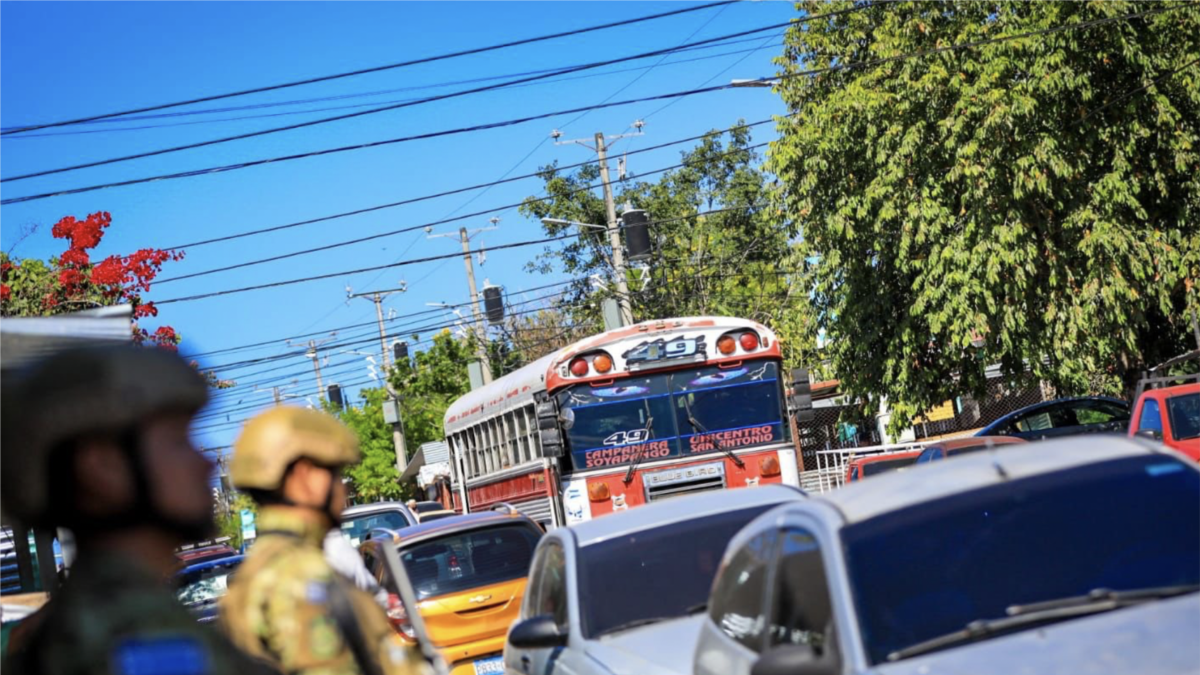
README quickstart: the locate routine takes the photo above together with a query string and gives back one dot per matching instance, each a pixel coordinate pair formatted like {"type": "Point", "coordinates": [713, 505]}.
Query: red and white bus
{"type": "Point", "coordinates": [636, 414]}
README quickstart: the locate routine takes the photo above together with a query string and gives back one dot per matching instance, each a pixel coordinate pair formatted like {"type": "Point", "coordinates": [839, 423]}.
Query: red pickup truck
{"type": "Point", "coordinates": [1170, 414]}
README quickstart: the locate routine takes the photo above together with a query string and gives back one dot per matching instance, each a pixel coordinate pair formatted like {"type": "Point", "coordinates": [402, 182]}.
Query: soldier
{"type": "Point", "coordinates": [96, 440]}
{"type": "Point", "coordinates": [286, 603]}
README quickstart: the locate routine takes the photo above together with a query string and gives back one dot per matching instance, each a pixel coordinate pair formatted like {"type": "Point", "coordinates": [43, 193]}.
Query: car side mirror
{"type": "Point", "coordinates": [794, 660]}
{"type": "Point", "coordinates": [1151, 434]}
{"type": "Point", "coordinates": [536, 633]}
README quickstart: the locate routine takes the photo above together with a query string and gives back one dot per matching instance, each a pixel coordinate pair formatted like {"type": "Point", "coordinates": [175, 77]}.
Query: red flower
{"type": "Point", "coordinates": [5, 292]}
{"type": "Point", "coordinates": [145, 309]}
{"type": "Point", "coordinates": [82, 234]}
{"type": "Point", "coordinates": [75, 257]}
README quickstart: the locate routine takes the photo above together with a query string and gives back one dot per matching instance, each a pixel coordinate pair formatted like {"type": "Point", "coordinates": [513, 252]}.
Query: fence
{"type": "Point", "coordinates": [840, 432]}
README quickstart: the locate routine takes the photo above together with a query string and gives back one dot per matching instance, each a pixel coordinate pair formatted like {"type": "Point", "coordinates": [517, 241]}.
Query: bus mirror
{"type": "Point", "coordinates": [552, 444]}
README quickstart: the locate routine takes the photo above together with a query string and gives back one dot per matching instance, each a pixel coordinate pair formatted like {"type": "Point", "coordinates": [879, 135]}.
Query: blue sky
{"type": "Point", "coordinates": [66, 60]}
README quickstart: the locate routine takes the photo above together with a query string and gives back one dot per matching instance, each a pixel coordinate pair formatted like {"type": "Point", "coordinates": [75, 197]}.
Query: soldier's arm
{"type": "Point", "coordinates": [300, 627]}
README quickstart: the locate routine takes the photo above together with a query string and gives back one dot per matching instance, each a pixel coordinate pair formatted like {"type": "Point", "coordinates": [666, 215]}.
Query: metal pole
{"type": "Point", "coordinates": [614, 234]}
{"type": "Point", "coordinates": [312, 353]}
{"type": "Point", "coordinates": [378, 298]}
{"type": "Point", "coordinates": [278, 396]}
{"type": "Point", "coordinates": [479, 327]}
{"type": "Point", "coordinates": [1196, 327]}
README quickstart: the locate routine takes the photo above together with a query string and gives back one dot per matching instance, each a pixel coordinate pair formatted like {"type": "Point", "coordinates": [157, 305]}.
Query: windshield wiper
{"type": "Point", "coordinates": [637, 456]}
{"type": "Point", "coordinates": [1049, 611]}
{"type": "Point", "coordinates": [700, 428]}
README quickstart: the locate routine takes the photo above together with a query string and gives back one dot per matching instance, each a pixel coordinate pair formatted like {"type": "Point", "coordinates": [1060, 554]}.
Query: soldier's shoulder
{"type": "Point", "coordinates": [291, 565]}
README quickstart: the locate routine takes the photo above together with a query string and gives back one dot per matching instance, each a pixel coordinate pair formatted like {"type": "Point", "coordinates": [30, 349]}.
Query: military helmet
{"type": "Point", "coordinates": [76, 393]}
{"type": "Point", "coordinates": [272, 441]}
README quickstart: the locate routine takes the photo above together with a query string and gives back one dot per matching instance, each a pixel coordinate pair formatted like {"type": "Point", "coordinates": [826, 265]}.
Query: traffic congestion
{"type": "Point", "coordinates": [321, 354]}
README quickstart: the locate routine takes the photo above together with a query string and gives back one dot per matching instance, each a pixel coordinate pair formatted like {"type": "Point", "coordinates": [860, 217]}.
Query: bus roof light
{"type": "Point", "coordinates": [579, 367]}
{"type": "Point", "coordinates": [602, 363]}
{"type": "Point", "coordinates": [726, 344]}
{"type": "Point", "coordinates": [749, 341]}
{"type": "Point", "coordinates": [769, 466]}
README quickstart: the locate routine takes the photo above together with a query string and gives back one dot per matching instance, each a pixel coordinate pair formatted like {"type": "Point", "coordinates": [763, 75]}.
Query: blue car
{"type": "Point", "coordinates": [202, 585]}
{"type": "Point", "coordinates": [1063, 417]}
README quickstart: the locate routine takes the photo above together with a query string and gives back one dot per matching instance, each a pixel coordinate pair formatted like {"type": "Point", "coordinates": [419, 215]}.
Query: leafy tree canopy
{"type": "Point", "coordinates": [1037, 196]}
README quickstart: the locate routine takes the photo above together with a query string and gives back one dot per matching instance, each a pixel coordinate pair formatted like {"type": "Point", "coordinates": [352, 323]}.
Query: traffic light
{"type": "Point", "coordinates": [636, 224]}
{"type": "Point", "coordinates": [400, 351]}
{"type": "Point", "coordinates": [800, 399]}
{"type": "Point", "coordinates": [493, 304]}
{"type": "Point", "coordinates": [335, 396]}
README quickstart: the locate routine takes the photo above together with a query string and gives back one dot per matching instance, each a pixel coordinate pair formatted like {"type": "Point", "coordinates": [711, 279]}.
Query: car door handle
{"type": "Point", "coordinates": [526, 662]}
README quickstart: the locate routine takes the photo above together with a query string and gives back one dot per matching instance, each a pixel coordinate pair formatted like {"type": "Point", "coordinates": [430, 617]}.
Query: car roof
{"type": "Point", "coordinates": [459, 523]}
{"type": "Point", "coordinates": [871, 459]}
{"type": "Point", "coordinates": [974, 442]}
{"type": "Point", "coordinates": [1054, 402]}
{"type": "Point", "coordinates": [935, 480]}
{"type": "Point", "coordinates": [228, 561]}
{"type": "Point", "coordinates": [376, 507]}
{"type": "Point", "coordinates": [1172, 391]}
{"type": "Point", "coordinates": [679, 509]}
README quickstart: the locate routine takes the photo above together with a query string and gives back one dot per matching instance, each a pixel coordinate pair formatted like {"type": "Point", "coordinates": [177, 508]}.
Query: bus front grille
{"type": "Point", "coordinates": [684, 480]}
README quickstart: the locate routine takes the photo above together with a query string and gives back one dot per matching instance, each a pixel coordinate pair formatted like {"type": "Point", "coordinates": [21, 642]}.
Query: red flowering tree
{"type": "Point", "coordinates": [73, 281]}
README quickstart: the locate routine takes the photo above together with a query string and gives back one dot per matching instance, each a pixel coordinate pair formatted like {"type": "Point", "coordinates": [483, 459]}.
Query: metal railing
{"type": "Point", "coordinates": [831, 465]}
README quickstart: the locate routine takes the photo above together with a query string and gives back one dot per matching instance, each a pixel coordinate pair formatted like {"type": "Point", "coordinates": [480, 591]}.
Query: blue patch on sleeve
{"type": "Point", "coordinates": [178, 655]}
{"type": "Point", "coordinates": [317, 593]}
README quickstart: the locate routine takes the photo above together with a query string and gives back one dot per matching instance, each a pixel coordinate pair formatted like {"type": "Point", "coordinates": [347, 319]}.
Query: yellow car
{"type": "Point", "coordinates": [468, 573]}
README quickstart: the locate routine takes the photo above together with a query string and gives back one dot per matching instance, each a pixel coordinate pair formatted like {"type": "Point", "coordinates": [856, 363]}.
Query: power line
{"type": "Point", "coordinates": [386, 108]}
{"type": "Point", "coordinates": [501, 247]}
{"type": "Point", "coordinates": [375, 69]}
{"type": "Point", "coordinates": [414, 200]}
{"type": "Point", "coordinates": [512, 122]}
{"type": "Point", "coordinates": [411, 228]}
{"type": "Point", "coordinates": [308, 111]}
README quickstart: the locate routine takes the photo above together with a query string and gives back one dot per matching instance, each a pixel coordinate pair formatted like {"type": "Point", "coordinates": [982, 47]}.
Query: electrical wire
{"type": "Point", "coordinates": [374, 69]}
{"type": "Point", "coordinates": [385, 108]}
{"type": "Point", "coordinates": [411, 228]}
{"type": "Point", "coordinates": [500, 247]}
{"type": "Point", "coordinates": [512, 122]}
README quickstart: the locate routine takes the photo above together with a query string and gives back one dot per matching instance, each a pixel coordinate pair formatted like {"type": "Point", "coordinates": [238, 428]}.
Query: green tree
{"type": "Point", "coordinates": [1032, 202]}
{"type": "Point", "coordinates": [231, 525]}
{"type": "Point", "coordinates": [719, 248]}
{"type": "Point", "coordinates": [427, 385]}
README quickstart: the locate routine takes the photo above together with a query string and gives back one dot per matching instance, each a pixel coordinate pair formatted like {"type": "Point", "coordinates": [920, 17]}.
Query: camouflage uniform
{"type": "Point", "coordinates": [113, 616]}
{"type": "Point", "coordinates": [279, 604]}
{"type": "Point", "coordinates": [282, 603]}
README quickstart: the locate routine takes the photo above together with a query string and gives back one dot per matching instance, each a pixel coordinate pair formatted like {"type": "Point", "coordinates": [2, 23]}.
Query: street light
{"type": "Point", "coordinates": [765, 83]}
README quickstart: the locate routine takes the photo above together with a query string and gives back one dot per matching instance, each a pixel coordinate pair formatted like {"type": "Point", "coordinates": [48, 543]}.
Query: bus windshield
{"type": "Point", "coordinates": [674, 414]}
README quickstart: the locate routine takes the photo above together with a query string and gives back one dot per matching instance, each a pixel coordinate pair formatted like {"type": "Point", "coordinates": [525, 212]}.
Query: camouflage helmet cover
{"type": "Point", "coordinates": [272, 441]}
{"type": "Point", "coordinates": [75, 393]}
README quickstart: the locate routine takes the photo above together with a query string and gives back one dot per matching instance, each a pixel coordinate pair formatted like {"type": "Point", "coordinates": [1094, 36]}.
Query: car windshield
{"type": "Point", "coordinates": [680, 413]}
{"type": "Point", "coordinates": [1184, 412]}
{"type": "Point", "coordinates": [659, 573]}
{"type": "Point", "coordinates": [356, 528]}
{"type": "Point", "coordinates": [466, 560]}
{"type": "Point", "coordinates": [1123, 524]}
{"type": "Point", "coordinates": [204, 587]}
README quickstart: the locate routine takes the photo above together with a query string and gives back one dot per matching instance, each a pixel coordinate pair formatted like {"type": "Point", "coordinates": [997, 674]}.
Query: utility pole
{"type": "Point", "coordinates": [614, 231]}
{"type": "Point", "coordinates": [464, 237]}
{"type": "Point", "coordinates": [377, 298]}
{"type": "Point", "coordinates": [311, 352]}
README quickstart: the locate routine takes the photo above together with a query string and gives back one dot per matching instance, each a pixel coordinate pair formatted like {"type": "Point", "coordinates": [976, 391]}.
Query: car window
{"type": "Point", "coordinates": [1184, 412]}
{"type": "Point", "coordinates": [1054, 417]}
{"type": "Point", "coordinates": [739, 597]}
{"type": "Point", "coordinates": [801, 611]}
{"type": "Point", "coordinates": [1099, 412]}
{"type": "Point", "coordinates": [356, 528]}
{"type": "Point", "coordinates": [460, 561]}
{"type": "Point", "coordinates": [883, 465]}
{"type": "Point", "coordinates": [548, 588]}
{"type": "Point", "coordinates": [1151, 419]}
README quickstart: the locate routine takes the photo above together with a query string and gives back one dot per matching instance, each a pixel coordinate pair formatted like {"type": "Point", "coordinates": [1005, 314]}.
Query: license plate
{"type": "Point", "coordinates": [493, 665]}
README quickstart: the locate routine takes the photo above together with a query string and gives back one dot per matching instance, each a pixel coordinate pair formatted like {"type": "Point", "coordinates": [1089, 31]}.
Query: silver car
{"type": "Point", "coordinates": [624, 593]}
{"type": "Point", "coordinates": [1062, 557]}
{"type": "Point", "coordinates": [358, 522]}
